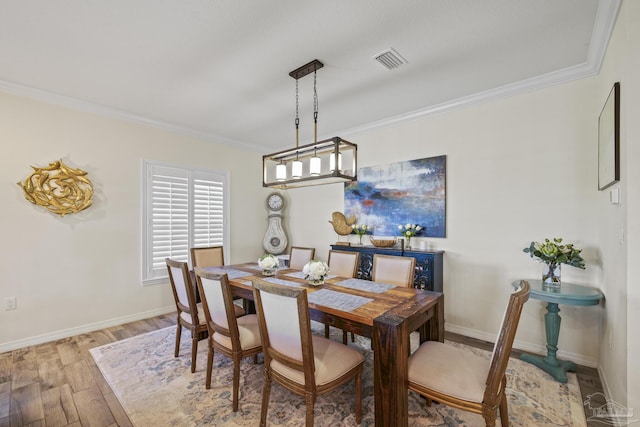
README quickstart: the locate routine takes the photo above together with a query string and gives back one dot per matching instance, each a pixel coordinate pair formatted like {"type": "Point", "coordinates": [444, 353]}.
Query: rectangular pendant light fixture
{"type": "Point", "coordinates": [326, 151]}
{"type": "Point", "coordinates": [312, 164]}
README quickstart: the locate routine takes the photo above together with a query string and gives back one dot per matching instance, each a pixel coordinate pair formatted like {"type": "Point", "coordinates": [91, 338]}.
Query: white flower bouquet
{"type": "Point", "coordinates": [408, 231]}
{"type": "Point", "coordinates": [315, 271]}
{"type": "Point", "coordinates": [360, 230]}
{"type": "Point", "coordinates": [268, 263]}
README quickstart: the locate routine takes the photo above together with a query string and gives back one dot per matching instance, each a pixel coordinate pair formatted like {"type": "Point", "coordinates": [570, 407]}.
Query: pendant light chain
{"type": "Point", "coordinates": [297, 116]}
{"type": "Point", "coordinates": [315, 109]}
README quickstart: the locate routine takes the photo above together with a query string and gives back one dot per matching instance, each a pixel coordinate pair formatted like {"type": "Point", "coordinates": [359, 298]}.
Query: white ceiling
{"type": "Point", "coordinates": [220, 68]}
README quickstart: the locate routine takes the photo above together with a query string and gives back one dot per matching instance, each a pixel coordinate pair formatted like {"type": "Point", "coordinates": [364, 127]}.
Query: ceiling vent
{"type": "Point", "coordinates": [390, 59]}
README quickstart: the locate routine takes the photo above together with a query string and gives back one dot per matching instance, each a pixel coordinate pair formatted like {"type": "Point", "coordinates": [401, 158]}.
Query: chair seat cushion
{"type": "Point", "coordinates": [332, 360]}
{"type": "Point", "coordinates": [249, 333]}
{"type": "Point", "coordinates": [187, 317]}
{"type": "Point", "coordinates": [449, 370]}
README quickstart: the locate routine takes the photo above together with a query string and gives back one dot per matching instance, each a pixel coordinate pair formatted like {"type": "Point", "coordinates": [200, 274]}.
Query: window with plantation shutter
{"type": "Point", "coordinates": [183, 208]}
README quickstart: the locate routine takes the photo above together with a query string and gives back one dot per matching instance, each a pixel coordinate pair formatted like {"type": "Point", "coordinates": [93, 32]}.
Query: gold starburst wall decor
{"type": "Point", "coordinates": [58, 188]}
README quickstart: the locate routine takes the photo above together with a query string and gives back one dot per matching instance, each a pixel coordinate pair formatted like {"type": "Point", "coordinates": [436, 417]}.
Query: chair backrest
{"type": "Point", "coordinates": [343, 263]}
{"type": "Point", "coordinates": [285, 327]}
{"type": "Point", "coordinates": [299, 256]}
{"type": "Point", "coordinates": [207, 257]}
{"type": "Point", "coordinates": [504, 343]}
{"type": "Point", "coordinates": [183, 290]}
{"type": "Point", "coordinates": [396, 270]}
{"type": "Point", "coordinates": [217, 303]}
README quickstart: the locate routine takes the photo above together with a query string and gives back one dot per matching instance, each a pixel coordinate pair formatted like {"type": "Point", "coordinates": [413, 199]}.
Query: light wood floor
{"type": "Point", "coordinates": [58, 383]}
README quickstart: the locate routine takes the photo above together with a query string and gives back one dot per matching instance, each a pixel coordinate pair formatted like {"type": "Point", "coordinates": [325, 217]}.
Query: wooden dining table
{"type": "Point", "coordinates": [387, 315]}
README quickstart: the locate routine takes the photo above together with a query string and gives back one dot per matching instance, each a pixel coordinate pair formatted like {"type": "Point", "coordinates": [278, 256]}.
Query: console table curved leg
{"type": "Point", "coordinates": [556, 368]}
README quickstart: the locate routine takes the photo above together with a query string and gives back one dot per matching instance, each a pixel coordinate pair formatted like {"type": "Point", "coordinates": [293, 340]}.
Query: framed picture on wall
{"type": "Point", "coordinates": [609, 140]}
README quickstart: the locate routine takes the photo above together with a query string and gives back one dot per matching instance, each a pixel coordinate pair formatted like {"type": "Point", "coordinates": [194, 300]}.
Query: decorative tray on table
{"type": "Point", "coordinates": [382, 243]}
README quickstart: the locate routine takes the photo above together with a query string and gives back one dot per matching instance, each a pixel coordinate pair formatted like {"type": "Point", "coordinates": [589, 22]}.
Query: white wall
{"type": "Point", "coordinates": [518, 169]}
{"type": "Point", "coordinates": [620, 368]}
{"type": "Point", "coordinates": [83, 271]}
{"type": "Point", "coordinates": [629, 18]}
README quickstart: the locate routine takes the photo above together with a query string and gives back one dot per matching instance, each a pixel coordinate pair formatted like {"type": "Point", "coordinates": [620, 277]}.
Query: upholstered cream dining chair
{"type": "Point", "coordinates": [236, 338]}
{"type": "Point", "coordinates": [394, 270]}
{"type": "Point", "coordinates": [213, 256]}
{"type": "Point", "coordinates": [299, 256]}
{"type": "Point", "coordinates": [303, 363]}
{"type": "Point", "coordinates": [190, 313]}
{"type": "Point", "coordinates": [456, 377]}
{"type": "Point", "coordinates": [343, 264]}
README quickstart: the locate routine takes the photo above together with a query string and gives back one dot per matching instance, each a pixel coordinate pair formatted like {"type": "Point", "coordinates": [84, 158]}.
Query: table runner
{"type": "Point", "coordinates": [365, 285]}
{"type": "Point", "coordinates": [337, 300]}
{"type": "Point", "coordinates": [231, 273]}
{"type": "Point", "coordinates": [300, 275]}
{"type": "Point", "coordinates": [281, 282]}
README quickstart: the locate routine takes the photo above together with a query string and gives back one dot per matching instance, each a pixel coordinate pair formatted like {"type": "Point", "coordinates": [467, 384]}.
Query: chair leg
{"type": "Point", "coordinates": [210, 355]}
{"type": "Point", "coordinates": [344, 337]}
{"type": "Point", "coordinates": [236, 381]}
{"type": "Point", "coordinates": [489, 417]}
{"type": "Point", "coordinates": [359, 397]}
{"type": "Point", "coordinates": [504, 412]}
{"type": "Point", "coordinates": [178, 335]}
{"type": "Point", "coordinates": [194, 350]}
{"type": "Point", "coordinates": [353, 337]}
{"type": "Point", "coordinates": [309, 399]}
{"type": "Point", "coordinates": [266, 388]}
{"type": "Point", "coordinates": [326, 331]}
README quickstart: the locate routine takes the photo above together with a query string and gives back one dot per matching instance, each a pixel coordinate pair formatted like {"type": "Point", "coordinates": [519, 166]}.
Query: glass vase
{"type": "Point", "coordinates": [360, 239]}
{"type": "Point", "coordinates": [551, 275]}
{"type": "Point", "coordinates": [408, 245]}
{"type": "Point", "coordinates": [269, 272]}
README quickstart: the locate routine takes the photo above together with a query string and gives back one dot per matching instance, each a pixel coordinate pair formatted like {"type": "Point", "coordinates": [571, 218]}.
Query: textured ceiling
{"type": "Point", "coordinates": [219, 68]}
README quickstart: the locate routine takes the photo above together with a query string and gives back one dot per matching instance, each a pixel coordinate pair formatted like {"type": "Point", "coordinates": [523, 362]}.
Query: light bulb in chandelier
{"type": "Point", "coordinates": [296, 168]}
{"type": "Point", "coordinates": [332, 161]}
{"type": "Point", "coordinates": [281, 171]}
{"type": "Point", "coordinates": [315, 164]}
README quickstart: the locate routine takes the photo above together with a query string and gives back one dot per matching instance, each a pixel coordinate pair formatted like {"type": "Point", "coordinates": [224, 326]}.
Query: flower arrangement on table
{"type": "Point", "coordinates": [408, 231]}
{"type": "Point", "coordinates": [360, 230]}
{"type": "Point", "coordinates": [315, 271]}
{"type": "Point", "coordinates": [554, 253]}
{"type": "Point", "coordinates": [269, 264]}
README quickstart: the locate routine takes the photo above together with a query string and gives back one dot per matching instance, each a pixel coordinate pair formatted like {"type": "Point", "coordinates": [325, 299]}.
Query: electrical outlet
{"type": "Point", "coordinates": [10, 303]}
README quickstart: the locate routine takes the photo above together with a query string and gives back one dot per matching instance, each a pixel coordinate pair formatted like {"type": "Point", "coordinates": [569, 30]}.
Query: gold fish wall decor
{"type": "Point", "coordinates": [58, 188]}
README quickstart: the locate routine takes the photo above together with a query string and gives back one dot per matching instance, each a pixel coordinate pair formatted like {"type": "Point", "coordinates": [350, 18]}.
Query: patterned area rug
{"type": "Point", "coordinates": [157, 389]}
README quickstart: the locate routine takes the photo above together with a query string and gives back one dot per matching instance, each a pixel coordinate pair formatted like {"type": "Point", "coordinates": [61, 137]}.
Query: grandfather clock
{"type": "Point", "coordinates": [275, 239]}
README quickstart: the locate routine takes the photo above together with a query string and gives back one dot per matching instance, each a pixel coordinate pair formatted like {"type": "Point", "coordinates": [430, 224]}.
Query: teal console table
{"type": "Point", "coordinates": [568, 294]}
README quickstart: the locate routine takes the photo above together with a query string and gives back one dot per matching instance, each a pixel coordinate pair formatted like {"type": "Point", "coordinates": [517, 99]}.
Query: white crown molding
{"type": "Point", "coordinates": [82, 329]}
{"type": "Point", "coordinates": [603, 26]}
{"type": "Point", "coordinates": [89, 107]}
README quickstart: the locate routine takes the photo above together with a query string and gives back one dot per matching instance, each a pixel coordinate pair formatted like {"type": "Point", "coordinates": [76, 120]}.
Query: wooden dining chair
{"type": "Point", "coordinates": [299, 256]}
{"type": "Point", "coordinates": [343, 264]}
{"type": "Point", "coordinates": [236, 338]}
{"type": "Point", "coordinates": [458, 378]}
{"type": "Point", "coordinates": [303, 363]}
{"type": "Point", "coordinates": [213, 256]}
{"type": "Point", "coordinates": [190, 313]}
{"type": "Point", "coordinates": [394, 270]}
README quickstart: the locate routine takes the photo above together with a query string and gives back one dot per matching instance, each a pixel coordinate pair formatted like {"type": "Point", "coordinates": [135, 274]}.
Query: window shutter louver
{"type": "Point", "coordinates": [184, 208]}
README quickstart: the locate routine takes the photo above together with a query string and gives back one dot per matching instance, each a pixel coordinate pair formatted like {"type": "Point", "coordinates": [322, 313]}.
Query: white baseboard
{"type": "Point", "coordinates": [606, 389]}
{"type": "Point", "coordinates": [523, 345]}
{"type": "Point", "coordinates": [65, 333]}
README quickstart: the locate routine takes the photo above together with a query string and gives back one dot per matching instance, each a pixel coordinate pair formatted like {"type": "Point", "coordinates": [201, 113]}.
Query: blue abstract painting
{"type": "Point", "coordinates": [410, 192]}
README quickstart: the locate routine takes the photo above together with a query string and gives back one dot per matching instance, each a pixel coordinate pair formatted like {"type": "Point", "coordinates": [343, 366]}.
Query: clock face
{"type": "Point", "coordinates": [275, 201]}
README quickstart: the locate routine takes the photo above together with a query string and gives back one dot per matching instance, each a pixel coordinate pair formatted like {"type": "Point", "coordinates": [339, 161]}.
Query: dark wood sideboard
{"type": "Point", "coordinates": [428, 274]}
